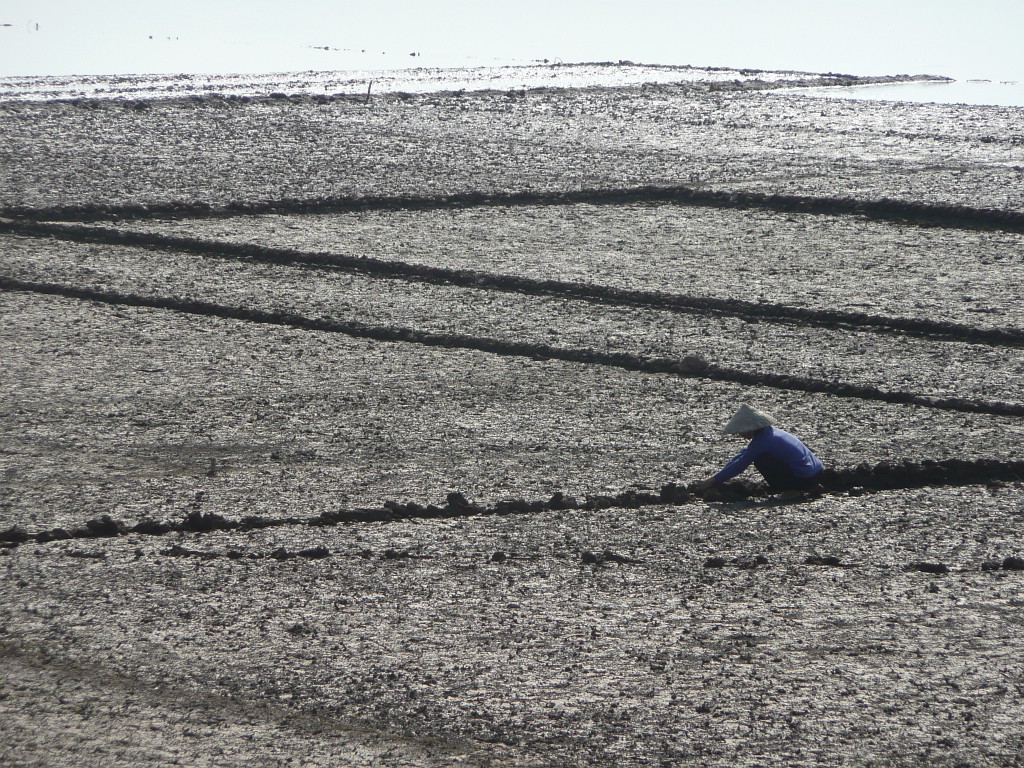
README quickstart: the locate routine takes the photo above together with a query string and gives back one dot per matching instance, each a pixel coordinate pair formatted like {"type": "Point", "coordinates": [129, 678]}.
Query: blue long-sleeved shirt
{"type": "Point", "coordinates": [778, 443]}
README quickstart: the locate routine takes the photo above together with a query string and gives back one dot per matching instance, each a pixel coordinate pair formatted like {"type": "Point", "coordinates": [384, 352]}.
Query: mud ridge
{"type": "Point", "coordinates": [858, 480]}
{"type": "Point", "coordinates": [586, 557]}
{"type": "Point", "coordinates": [773, 312]}
{"type": "Point", "coordinates": [902, 211]}
{"type": "Point", "coordinates": [138, 100]}
{"type": "Point", "coordinates": [691, 366]}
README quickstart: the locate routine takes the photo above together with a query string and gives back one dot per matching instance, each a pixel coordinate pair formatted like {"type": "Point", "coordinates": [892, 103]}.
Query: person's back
{"type": "Point", "coordinates": [791, 451]}
{"type": "Point", "coordinates": [784, 461]}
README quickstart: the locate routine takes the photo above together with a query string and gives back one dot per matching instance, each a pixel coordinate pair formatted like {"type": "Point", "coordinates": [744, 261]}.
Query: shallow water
{"type": "Point", "coordinates": [1008, 93]}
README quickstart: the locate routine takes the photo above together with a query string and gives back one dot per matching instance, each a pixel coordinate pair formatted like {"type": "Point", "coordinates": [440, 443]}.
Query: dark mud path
{"type": "Point", "coordinates": [900, 211]}
{"type": "Point", "coordinates": [689, 367]}
{"type": "Point", "coordinates": [603, 294]}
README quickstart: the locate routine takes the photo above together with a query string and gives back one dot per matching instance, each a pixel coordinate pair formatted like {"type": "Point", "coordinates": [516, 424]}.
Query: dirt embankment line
{"type": "Point", "coordinates": [901, 211]}
{"type": "Point", "coordinates": [682, 303]}
{"type": "Point", "coordinates": [691, 366]}
{"type": "Point", "coordinates": [862, 479]}
{"type": "Point", "coordinates": [141, 98]}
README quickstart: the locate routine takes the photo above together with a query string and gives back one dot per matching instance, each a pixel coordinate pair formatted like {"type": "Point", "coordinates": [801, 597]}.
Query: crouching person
{"type": "Point", "coordinates": [787, 465]}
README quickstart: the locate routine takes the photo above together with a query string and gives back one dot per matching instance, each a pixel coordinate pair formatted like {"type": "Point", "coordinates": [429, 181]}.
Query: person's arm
{"type": "Point", "coordinates": [739, 462]}
{"type": "Point", "coordinates": [729, 471]}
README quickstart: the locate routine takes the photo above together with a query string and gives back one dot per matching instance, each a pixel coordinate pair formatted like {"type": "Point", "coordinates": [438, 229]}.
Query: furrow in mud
{"type": "Point", "coordinates": [587, 557]}
{"type": "Point", "coordinates": [903, 211]}
{"type": "Point", "coordinates": [690, 366]}
{"type": "Point", "coordinates": [864, 478]}
{"type": "Point", "coordinates": [773, 312]}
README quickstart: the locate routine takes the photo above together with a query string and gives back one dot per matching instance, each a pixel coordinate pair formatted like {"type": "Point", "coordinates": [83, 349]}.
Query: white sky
{"type": "Point", "coordinates": [972, 38]}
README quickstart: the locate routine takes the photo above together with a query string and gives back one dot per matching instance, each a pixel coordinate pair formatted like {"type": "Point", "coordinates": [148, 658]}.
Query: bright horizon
{"type": "Point", "coordinates": [61, 37]}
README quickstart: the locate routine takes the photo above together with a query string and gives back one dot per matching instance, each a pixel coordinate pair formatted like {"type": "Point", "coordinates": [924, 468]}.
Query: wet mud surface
{"type": "Point", "coordinates": [361, 433]}
{"type": "Point", "coordinates": [221, 151]}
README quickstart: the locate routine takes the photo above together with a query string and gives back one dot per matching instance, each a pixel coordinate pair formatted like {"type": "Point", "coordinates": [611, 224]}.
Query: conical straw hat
{"type": "Point", "coordinates": [746, 419]}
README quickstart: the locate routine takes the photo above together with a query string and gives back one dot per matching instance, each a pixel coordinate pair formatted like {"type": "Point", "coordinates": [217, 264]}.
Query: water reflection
{"type": "Point", "coordinates": [974, 92]}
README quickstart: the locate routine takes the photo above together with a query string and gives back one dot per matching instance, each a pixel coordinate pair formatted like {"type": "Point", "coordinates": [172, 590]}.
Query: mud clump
{"type": "Point", "coordinates": [635, 499]}
{"type": "Point", "coordinates": [459, 505]}
{"type": "Point", "coordinates": [675, 494]}
{"type": "Point", "coordinates": [743, 563]}
{"type": "Point", "coordinates": [255, 523]}
{"type": "Point", "coordinates": [693, 364]}
{"type": "Point", "coordinates": [560, 502]}
{"type": "Point", "coordinates": [54, 534]}
{"type": "Point", "coordinates": [518, 507]}
{"type": "Point", "coordinates": [828, 560]}
{"type": "Point", "coordinates": [301, 629]}
{"type": "Point", "coordinates": [105, 527]}
{"type": "Point", "coordinates": [390, 513]}
{"type": "Point", "coordinates": [607, 556]}
{"type": "Point", "coordinates": [14, 535]}
{"type": "Point", "coordinates": [201, 522]}
{"type": "Point", "coordinates": [937, 568]}
{"type": "Point", "coordinates": [150, 527]}
{"type": "Point", "coordinates": [735, 490]}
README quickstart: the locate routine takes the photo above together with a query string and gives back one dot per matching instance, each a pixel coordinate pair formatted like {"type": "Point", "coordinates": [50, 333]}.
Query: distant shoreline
{"type": "Point", "coordinates": [424, 80]}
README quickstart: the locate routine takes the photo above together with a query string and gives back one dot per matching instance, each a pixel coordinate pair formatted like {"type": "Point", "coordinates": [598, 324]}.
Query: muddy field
{"type": "Point", "coordinates": [348, 432]}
